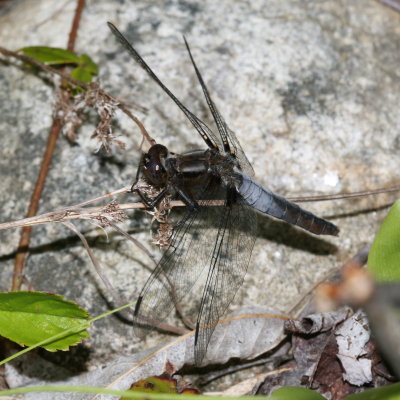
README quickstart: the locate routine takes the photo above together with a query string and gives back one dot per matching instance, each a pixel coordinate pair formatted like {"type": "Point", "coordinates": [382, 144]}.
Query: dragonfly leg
{"type": "Point", "coordinates": [155, 201]}
{"type": "Point", "coordinates": [187, 199]}
{"type": "Point", "coordinates": [138, 174]}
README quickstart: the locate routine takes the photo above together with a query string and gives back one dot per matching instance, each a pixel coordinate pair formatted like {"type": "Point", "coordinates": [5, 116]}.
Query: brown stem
{"type": "Point", "coordinates": [75, 25]}
{"type": "Point", "coordinates": [160, 325]}
{"type": "Point", "coordinates": [145, 134]}
{"type": "Point", "coordinates": [23, 246]}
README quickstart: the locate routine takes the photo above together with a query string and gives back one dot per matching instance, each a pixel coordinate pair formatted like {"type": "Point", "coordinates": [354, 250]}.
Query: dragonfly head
{"type": "Point", "coordinates": [154, 165]}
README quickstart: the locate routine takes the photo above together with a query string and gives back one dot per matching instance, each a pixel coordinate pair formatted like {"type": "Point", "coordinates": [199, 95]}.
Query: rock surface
{"type": "Point", "coordinates": [311, 90]}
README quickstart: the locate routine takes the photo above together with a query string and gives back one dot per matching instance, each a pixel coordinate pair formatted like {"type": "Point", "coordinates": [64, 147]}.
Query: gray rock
{"type": "Point", "coordinates": [311, 89]}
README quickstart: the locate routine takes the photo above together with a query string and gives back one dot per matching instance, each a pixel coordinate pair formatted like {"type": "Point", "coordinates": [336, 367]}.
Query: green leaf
{"type": "Point", "coordinates": [89, 65]}
{"type": "Point", "coordinates": [31, 317]}
{"type": "Point", "coordinates": [160, 384]}
{"type": "Point", "coordinates": [51, 55]}
{"type": "Point", "coordinates": [295, 393]}
{"type": "Point", "coordinates": [81, 74]}
{"type": "Point", "coordinates": [390, 392]}
{"type": "Point", "coordinates": [384, 256]}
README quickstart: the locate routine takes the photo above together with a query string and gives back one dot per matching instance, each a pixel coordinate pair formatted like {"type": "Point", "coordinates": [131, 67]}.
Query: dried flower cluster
{"type": "Point", "coordinates": [111, 213]}
{"type": "Point", "coordinates": [160, 212]}
{"type": "Point", "coordinates": [71, 110]}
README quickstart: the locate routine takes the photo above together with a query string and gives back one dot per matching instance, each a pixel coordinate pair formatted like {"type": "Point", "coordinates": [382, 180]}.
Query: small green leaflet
{"type": "Point", "coordinates": [81, 74]}
{"type": "Point", "coordinates": [88, 64]}
{"type": "Point", "coordinates": [51, 55]}
{"type": "Point", "coordinates": [389, 392]}
{"type": "Point", "coordinates": [85, 69]}
{"type": "Point", "coordinates": [161, 384]}
{"type": "Point", "coordinates": [28, 318]}
{"type": "Point", "coordinates": [384, 256]}
{"type": "Point", "coordinates": [295, 393]}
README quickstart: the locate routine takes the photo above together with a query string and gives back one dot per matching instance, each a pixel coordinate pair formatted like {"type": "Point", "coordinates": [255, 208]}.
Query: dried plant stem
{"type": "Point", "coordinates": [135, 242]}
{"type": "Point", "coordinates": [96, 264]}
{"type": "Point", "coordinates": [110, 288]}
{"type": "Point", "coordinates": [126, 189]}
{"type": "Point", "coordinates": [177, 304]}
{"type": "Point", "coordinates": [92, 213]}
{"type": "Point", "coordinates": [77, 211]}
{"type": "Point", "coordinates": [358, 260]}
{"type": "Point", "coordinates": [22, 251]}
{"type": "Point", "coordinates": [342, 196]}
{"type": "Point", "coordinates": [391, 3]}
{"type": "Point", "coordinates": [75, 25]}
{"type": "Point", "coordinates": [23, 245]}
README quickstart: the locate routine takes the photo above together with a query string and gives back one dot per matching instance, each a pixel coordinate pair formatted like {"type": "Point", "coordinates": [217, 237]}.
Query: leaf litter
{"type": "Point", "coordinates": [333, 354]}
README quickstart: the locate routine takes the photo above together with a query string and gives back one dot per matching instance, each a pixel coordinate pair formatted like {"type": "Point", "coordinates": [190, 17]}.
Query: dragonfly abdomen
{"type": "Point", "coordinates": [267, 202]}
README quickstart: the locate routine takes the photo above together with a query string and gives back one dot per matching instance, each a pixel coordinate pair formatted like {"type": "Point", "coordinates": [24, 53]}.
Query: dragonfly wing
{"type": "Point", "coordinates": [229, 140]}
{"type": "Point", "coordinates": [205, 132]}
{"type": "Point", "coordinates": [183, 261]}
{"type": "Point", "coordinates": [229, 262]}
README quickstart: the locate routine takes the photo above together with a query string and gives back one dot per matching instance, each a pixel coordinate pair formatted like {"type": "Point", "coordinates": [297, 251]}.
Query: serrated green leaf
{"type": "Point", "coordinates": [81, 74]}
{"type": "Point", "coordinates": [390, 392]}
{"type": "Point", "coordinates": [295, 393]}
{"type": "Point", "coordinates": [51, 55]}
{"type": "Point", "coordinates": [89, 65]}
{"type": "Point", "coordinates": [31, 317]}
{"type": "Point", "coordinates": [384, 256]}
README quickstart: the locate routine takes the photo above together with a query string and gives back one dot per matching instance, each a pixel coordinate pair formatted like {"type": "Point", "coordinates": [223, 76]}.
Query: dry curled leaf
{"type": "Point", "coordinates": [320, 322]}
{"type": "Point", "coordinates": [352, 338]}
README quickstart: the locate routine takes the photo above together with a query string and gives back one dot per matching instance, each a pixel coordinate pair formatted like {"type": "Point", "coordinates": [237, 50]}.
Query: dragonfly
{"type": "Point", "coordinates": [216, 241]}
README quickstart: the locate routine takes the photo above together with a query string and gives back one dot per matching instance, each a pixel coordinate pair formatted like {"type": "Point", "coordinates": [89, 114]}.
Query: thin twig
{"type": "Point", "coordinates": [75, 25]}
{"type": "Point", "coordinates": [163, 326]}
{"type": "Point", "coordinates": [51, 16]}
{"type": "Point", "coordinates": [115, 295]}
{"type": "Point", "coordinates": [126, 189]}
{"type": "Point", "coordinates": [134, 241]}
{"type": "Point", "coordinates": [91, 213]}
{"type": "Point", "coordinates": [23, 246]}
{"type": "Point", "coordinates": [216, 374]}
{"type": "Point", "coordinates": [79, 212]}
{"type": "Point", "coordinates": [174, 296]}
{"type": "Point", "coordinates": [325, 277]}
{"type": "Point", "coordinates": [360, 258]}
{"type": "Point", "coordinates": [87, 86]}
{"type": "Point", "coordinates": [343, 196]}
{"type": "Point", "coordinates": [391, 3]}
